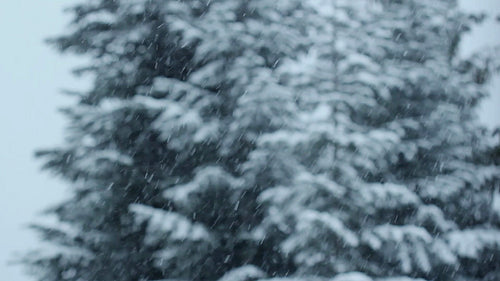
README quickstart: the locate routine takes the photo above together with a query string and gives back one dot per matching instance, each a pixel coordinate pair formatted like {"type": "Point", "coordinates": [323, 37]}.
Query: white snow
{"type": "Point", "coordinates": [389, 196]}
{"type": "Point", "coordinates": [163, 226]}
{"type": "Point", "coordinates": [309, 218]}
{"type": "Point", "coordinates": [352, 276]}
{"type": "Point", "coordinates": [243, 273]}
{"type": "Point", "coordinates": [434, 215]}
{"type": "Point", "coordinates": [470, 243]}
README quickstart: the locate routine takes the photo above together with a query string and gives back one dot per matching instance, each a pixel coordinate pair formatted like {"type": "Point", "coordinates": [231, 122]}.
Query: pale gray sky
{"type": "Point", "coordinates": [31, 77]}
{"type": "Point", "coordinates": [487, 34]}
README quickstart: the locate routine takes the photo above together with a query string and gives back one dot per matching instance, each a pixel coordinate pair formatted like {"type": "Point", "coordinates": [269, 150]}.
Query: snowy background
{"type": "Point", "coordinates": [31, 78]}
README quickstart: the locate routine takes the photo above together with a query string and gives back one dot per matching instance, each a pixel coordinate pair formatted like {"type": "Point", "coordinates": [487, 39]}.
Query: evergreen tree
{"type": "Point", "coordinates": [245, 140]}
{"type": "Point", "coordinates": [389, 180]}
{"type": "Point", "coordinates": [155, 148]}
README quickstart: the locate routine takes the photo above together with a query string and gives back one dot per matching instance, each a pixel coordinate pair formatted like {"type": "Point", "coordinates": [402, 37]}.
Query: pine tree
{"type": "Point", "coordinates": [245, 140]}
{"type": "Point", "coordinates": [389, 181]}
{"type": "Point", "coordinates": [155, 148]}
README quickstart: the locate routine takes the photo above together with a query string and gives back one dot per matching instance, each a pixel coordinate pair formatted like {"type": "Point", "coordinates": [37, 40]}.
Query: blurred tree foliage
{"type": "Point", "coordinates": [295, 140]}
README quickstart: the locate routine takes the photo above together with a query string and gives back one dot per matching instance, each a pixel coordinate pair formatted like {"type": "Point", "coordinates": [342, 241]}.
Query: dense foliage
{"type": "Point", "coordinates": [288, 139]}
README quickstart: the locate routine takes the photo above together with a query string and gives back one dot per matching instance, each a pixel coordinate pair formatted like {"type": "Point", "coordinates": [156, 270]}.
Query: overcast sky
{"type": "Point", "coordinates": [488, 34]}
{"type": "Point", "coordinates": [31, 77]}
